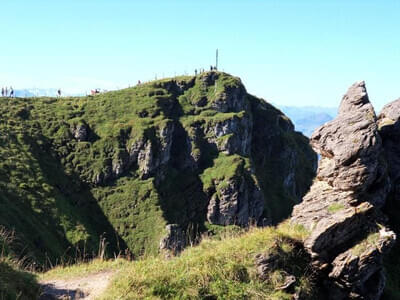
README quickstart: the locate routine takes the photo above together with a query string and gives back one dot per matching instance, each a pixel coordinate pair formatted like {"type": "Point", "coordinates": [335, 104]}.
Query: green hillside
{"type": "Point", "coordinates": [218, 268]}
{"type": "Point", "coordinates": [124, 164]}
{"type": "Point", "coordinates": [15, 282]}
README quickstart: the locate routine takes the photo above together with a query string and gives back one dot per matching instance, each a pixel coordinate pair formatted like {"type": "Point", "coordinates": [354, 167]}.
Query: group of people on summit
{"type": "Point", "coordinates": [5, 92]}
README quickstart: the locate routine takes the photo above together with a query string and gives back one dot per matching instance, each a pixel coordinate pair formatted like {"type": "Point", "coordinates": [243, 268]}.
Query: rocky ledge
{"type": "Point", "coordinates": [347, 232]}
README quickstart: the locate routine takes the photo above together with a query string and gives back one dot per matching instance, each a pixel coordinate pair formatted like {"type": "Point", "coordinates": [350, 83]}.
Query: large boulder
{"type": "Point", "coordinates": [341, 211]}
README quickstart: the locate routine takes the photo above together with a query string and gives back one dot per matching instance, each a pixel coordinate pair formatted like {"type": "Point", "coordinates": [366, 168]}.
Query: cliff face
{"type": "Point", "coordinates": [389, 129]}
{"type": "Point", "coordinates": [342, 211]}
{"type": "Point", "coordinates": [187, 151]}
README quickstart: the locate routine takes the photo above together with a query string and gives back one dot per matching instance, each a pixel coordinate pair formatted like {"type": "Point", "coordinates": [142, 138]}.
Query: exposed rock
{"type": "Point", "coordinates": [209, 78]}
{"type": "Point", "coordinates": [80, 132]}
{"type": "Point", "coordinates": [350, 144]}
{"type": "Point", "coordinates": [341, 210]}
{"type": "Point", "coordinates": [389, 128]}
{"type": "Point", "coordinates": [276, 259]}
{"type": "Point", "coordinates": [287, 283]}
{"type": "Point", "coordinates": [238, 202]}
{"type": "Point", "coordinates": [141, 152]}
{"type": "Point", "coordinates": [174, 240]}
{"type": "Point", "coordinates": [231, 100]}
{"type": "Point", "coordinates": [231, 135]}
{"type": "Point", "coordinates": [266, 264]}
{"type": "Point", "coordinates": [151, 161]}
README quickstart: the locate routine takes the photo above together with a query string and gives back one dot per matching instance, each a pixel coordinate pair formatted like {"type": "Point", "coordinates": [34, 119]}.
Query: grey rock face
{"type": "Point", "coordinates": [238, 202]}
{"type": "Point", "coordinates": [341, 210]}
{"type": "Point", "coordinates": [350, 144]}
{"type": "Point", "coordinates": [389, 128]}
{"type": "Point", "coordinates": [148, 160]}
{"type": "Point", "coordinates": [141, 153]}
{"type": "Point", "coordinates": [80, 132]}
{"type": "Point", "coordinates": [231, 100]}
{"type": "Point", "coordinates": [232, 135]}
{"type": "Point", "coordinates": [174, 240]}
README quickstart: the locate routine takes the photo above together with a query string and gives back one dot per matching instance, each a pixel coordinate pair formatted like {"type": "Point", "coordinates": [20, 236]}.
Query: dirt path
{"type": "Point", "coordinates": [88, 287]}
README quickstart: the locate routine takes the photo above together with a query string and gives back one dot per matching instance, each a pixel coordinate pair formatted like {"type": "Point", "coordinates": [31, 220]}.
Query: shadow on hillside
{"type": "Point", "coordinates": [182, 198]}
{"type": "Point", "coordinates": [272, 144]}
{"type": "Point", "coordinates": [50, 292]}
{"type": "Point", "coordinates": [76, 206]}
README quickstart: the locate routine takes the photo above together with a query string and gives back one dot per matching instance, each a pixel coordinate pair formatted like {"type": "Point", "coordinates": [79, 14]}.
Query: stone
{"type": "Point", "coordinates": [238, 202]}
{"type": "Point", "coordinates": [80, 132]}
{"type": "Point", "coordinates": [341, 211]}
{"type": "Point", "coordinates": [266, 264]}
{"type": "Point", "coordinates": [289, 281]}
{"type": "Point", "coordinates": [389, 129]}
{"type": "Point", "coordinates": [174, 241]}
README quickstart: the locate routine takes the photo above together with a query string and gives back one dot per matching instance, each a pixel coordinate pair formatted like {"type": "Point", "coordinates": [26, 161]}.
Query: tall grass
{"type": "Point", "coordinates": [16, 282]}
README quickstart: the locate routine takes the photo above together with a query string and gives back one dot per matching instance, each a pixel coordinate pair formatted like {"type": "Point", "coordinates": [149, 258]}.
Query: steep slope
{"type": "Point", "coordinates": [389, 129]}
{"type": "Point", "coordinates": [189, 151]}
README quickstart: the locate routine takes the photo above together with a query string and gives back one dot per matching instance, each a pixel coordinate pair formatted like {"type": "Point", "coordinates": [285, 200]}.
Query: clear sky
{"type": "Point", "coordinates": [288, 52]}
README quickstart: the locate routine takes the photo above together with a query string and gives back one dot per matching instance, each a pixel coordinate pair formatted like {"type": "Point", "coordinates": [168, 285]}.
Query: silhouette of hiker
{"type": "Point", "coordinates": [2, 92]}
{"type": "Point", "coordinates": [11, 92]}
{"type": "Point", "coordinates": [6, 92]}
{"type": "Point", "coordinates": [59, 92]}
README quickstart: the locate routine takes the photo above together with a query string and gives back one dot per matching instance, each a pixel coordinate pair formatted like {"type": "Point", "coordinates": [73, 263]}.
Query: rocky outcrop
{"type": "Point", "coordinates": [389, 128]}
{"type": "Point", "coordinates": [232, 135]}
{"type": "Point", "coordinates": [348, 237]}
{"type": "Point", "coordinates": [142, 153]}
{"type": "Point", "coordinates": [238, 202]}
{"type": "Point", "coordinates": [80, 132]}
{"type": "Point", "coordinates": [174, 240]}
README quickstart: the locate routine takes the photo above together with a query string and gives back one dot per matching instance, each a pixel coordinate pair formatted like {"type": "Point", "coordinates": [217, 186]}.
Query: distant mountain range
{"type": "Point", "coordinates": [307, 118]}
{"type": "Point", "coordinates": [37, 92]}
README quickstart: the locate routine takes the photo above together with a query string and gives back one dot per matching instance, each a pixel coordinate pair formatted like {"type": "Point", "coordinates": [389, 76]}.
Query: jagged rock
{"type": "Point", "coordinates": [350, 144]}
{"type": "Point", "coordinates": [287, 283]}
{"type": "Point", "coordinates": [238, 202]}
{"type": "Point", "coordinates": [266, 264]}
{"type": "Point", "coordinates": [341, 210]}
{"type": "Point", "coordinates": [120, 163]}
{"type": "Point", "coordinates": [389, 128]}
{"type": "Point", "coordinates": [80, 132]}
{"type": "Point", "coordinates": [362, 260]}
{"type": "Point", "coordinates": [231, 100]}
{"type": "Point", "coordinates": [141, 152]}
{"type": "Point", "coordinates": [209, 78]}
{"type": "Point", "coordinates": [271, 261]}
{"type": "Point", "coordinates": [150, 161]}
{"type": "Point", "coordinates": [174, 240]}
{"type": "Point", "coordinates": [231, 135]}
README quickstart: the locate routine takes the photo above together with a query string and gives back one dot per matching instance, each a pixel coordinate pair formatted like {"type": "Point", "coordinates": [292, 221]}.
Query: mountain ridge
{"type": "Point", "coordinates": [191, 151]}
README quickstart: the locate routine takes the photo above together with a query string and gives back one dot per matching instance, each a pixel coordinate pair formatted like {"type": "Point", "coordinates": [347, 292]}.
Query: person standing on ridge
{"type": "Point", "coordinates": [2, 92]}
{"type": "Point", "coordinates": [11, 92]}
{"type": "Point", "coordinates": [6, 92]}
{"type": "Point", "coordinates": [59, 92]}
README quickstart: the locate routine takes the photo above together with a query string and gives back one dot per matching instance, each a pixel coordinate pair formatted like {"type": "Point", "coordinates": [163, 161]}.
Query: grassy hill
{"type": "Point", "coordinates": [221, 267]}
{"type": "Point", "coordinates": [124, 164]}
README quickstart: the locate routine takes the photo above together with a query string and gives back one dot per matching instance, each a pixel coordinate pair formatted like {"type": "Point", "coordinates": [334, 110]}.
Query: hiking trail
{"type": "Point", "coordinates": [84, 288]}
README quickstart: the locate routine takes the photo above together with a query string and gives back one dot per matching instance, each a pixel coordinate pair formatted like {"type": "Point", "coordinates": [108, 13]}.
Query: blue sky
{"type": "Point", "coordinates": [288, 52]}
